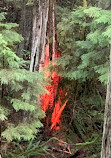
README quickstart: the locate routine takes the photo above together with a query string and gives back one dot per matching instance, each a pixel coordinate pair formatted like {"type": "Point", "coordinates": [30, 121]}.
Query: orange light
{"type": "Point", "coordinates": [49, 101]}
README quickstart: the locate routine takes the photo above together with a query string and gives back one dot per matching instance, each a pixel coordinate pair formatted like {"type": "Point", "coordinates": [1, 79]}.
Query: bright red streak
{"type": "Point", "coordinates": [49, 101]}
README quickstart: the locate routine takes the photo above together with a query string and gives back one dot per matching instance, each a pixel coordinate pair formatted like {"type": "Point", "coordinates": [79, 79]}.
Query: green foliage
{"type": "Point", "coordinates": [84, 39]}
{"type": "Point", "coordinates": [3, 113]}
{"type": "Point", "coordinates": [34, 148]}
{"type": "Point", "coordinates": [30, 2]}
{"type": "Point", "coordinates": [94, 49]}
{"type": "Point", "coordinates": [20, 89]}
{"type": "Point", "coordinates": [18, 105]}
{"type": "Point", "coordinates": [22, 131]}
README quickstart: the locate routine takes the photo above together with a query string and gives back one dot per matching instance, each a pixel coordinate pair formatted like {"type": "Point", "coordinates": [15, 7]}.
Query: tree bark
{"type": "Point", "coordinates": [37, 25]}
{"type": "Point", "coordinates": [22, 28]}
{"type": "Point", "coordinates": [104, 4]}
{"type": "Point", "coordinates": [44, 28]}
{"type": "Point", "coordinates": [106, 140]}
{"type": "Point", "coordinates": [54, 33]}
{"type": "Point", "coordinates": [40, 19]}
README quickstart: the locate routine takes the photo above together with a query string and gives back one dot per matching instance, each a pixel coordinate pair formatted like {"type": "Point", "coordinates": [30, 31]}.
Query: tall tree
{"type": "Point", "coordinates": [106, 141]}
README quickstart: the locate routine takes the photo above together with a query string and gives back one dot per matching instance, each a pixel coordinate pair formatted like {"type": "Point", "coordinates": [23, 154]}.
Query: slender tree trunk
{"type": "Point", "coordinates": [54, 33]}
{"type": "Point", "coordinates": [2, 86]}
{"type": "Point", "coordinates": [84, 4]}
{"type": "Point", "coordinates": [22, 28]}
{"type": "Point", "coordinates": [106, 141]}
{"type": "Point", "coordinates": [44, 37]}
{"type": "Point", "coordinates": [37, 22]}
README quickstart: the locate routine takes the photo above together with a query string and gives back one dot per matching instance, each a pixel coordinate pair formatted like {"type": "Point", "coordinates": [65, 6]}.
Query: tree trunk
{"type": "Point", "coordinates": [22, 28]}
{"type": "Point", "coordinates": [40, 19]}
{"type": "Point", "coordinates": [44, 37]}
{"type": "Point", "coordinates": [106, 141]}
{"type": "Point", "coordinates": [53, 23]}
{"type": "Point", "coordinates": [104, 4]}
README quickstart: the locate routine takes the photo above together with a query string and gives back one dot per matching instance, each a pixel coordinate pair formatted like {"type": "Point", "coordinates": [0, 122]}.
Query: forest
{"type": "Point", "coordinates": [55, 78]}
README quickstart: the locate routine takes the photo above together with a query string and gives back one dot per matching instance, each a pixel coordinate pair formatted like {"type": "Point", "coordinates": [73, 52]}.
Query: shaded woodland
{"type": "Point", "coordinates": [55, 79]}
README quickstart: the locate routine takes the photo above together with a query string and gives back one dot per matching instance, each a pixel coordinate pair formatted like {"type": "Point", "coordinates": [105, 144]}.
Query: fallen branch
{"type": "Point", "coordinates": [64, 151]}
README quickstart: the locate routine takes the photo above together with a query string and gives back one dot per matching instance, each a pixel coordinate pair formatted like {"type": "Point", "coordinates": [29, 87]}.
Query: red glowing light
{"type": "Point", "coordinates": [49, 101]}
